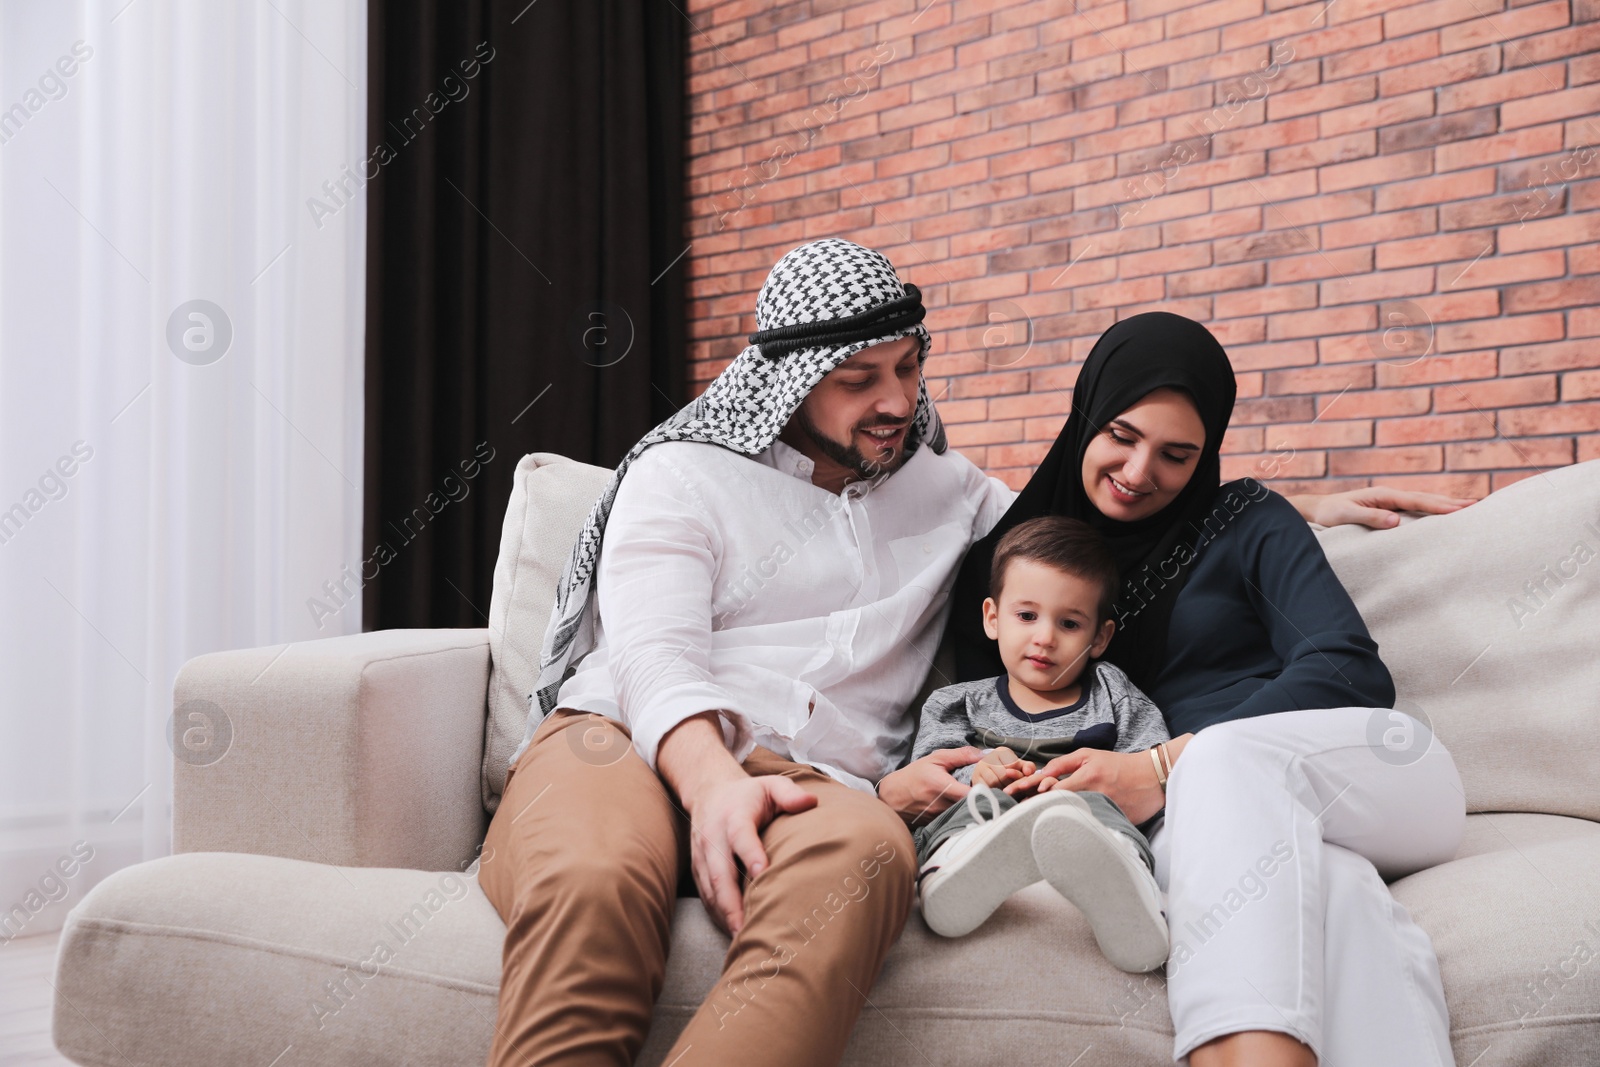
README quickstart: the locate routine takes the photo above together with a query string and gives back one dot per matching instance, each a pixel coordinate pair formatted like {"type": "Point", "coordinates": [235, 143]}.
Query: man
{"type": "Point", "coordinates": [771, 587]}
{"type": "Point", "coordinates": [769, 591]}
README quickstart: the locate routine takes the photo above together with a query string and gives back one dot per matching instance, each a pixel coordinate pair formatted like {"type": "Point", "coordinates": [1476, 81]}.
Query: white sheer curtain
{"type": "Point", "coordinates": [161, 497]}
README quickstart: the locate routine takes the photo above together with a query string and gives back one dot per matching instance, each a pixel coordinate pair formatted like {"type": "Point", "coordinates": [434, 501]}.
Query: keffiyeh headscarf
{"type": "Point", "coordinates": [822, 303]}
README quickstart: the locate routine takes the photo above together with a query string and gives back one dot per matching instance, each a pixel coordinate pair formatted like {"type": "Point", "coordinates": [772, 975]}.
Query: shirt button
{"type": "Point", "coordinates": [927, 548]}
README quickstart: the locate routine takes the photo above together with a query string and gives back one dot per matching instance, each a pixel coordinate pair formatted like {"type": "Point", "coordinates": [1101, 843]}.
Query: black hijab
{"type": "Point", "coordinates": [1131, 359]}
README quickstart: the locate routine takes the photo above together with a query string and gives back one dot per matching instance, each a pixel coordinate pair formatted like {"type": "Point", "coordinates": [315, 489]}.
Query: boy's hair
{"type": "Point", "coordinates": [1069, 545]}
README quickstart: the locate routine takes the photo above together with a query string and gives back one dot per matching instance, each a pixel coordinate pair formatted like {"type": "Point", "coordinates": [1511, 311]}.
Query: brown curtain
{"type": "Point", "coordinates": [525, 288]}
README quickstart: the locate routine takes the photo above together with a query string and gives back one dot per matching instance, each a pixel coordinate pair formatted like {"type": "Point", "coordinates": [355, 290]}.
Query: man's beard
{"type": "Point", "coordinates": [849, 456]}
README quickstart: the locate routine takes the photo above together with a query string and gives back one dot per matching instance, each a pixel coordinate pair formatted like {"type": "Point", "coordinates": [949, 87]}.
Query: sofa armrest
{"type": "Point", "coordinates": [361, 751]}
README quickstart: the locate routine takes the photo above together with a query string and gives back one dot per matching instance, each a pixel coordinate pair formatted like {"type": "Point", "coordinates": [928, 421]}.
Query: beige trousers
{"type": "Point", "coordinates": [584, 861]}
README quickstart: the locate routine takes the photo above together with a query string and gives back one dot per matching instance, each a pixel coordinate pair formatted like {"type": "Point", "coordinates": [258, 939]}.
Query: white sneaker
{"type": "Point", "coordinates": [1102, 872]}
{"type": "Point", "coordinates": [973, 872]}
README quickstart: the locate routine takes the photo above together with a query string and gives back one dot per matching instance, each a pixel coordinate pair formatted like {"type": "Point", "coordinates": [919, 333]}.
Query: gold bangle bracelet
{"type": "Point", "coordinates": [1166, 757]}
{"type": "Point", "coordinates": [1161, 775]}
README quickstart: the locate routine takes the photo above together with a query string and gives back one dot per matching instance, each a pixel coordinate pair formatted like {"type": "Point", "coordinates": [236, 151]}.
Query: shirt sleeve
{"type": "Point", "coordinates": [1329, 658]}
{"type": "Point", "coordinates": [658, 559]}
{"type": "Point", "coordinates": [944, 722]}
{"type": "Point", "coordinates": [997, 500]}
{"type": "Point", "coordinates": [1140, 724]}
{"type": "Point", "coordinates": [993, 498]}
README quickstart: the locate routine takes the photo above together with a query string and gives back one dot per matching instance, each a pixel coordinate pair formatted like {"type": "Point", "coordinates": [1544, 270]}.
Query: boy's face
{"type": "Point", "coordinates": [873, 390]}
{"type": "Point", "coordinates": [1046, 623]}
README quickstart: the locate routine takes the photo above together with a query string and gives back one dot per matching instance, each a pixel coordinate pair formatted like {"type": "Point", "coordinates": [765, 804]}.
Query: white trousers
{"type": "Point", "coordinates": [1280, 831]}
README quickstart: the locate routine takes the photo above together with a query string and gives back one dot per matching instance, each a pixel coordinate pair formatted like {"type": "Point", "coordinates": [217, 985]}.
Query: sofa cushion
{"type": "Point", "coordinates": [1488, 618]}
{"type": "Point", "coordinates": [228, 958]}
{"type": "Point", "coordinates": [1515, 921]}
{"type": "Point", "coordinates": [551, 497]}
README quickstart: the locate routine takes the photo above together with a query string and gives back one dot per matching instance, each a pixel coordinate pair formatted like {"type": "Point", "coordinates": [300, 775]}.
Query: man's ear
{"type": "Point", "coordinates": [991, 618]}
{"type": "Point", "coordinates": [1102, 639]}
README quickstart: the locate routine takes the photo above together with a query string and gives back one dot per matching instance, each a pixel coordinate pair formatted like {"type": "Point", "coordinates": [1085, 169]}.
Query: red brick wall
{"type": "Point", "coordinates": [1388, 211]}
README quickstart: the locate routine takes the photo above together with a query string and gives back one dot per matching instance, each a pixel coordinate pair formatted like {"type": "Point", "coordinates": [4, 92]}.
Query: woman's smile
{"type": "Point", "coordinates": [1123, 493]}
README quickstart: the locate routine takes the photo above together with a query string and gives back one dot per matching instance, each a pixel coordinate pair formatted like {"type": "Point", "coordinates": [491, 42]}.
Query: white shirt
{"type": "Point", "coordinates": [734, 584]}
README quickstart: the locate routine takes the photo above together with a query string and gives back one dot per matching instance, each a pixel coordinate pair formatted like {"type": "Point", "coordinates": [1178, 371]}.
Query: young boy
{"type": "Point", "coordinates": [1051, 589]}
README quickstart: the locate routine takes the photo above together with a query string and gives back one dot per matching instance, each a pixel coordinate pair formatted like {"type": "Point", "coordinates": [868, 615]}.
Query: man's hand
{"type": "Point", "coordinates": [925, 787]}
{"type": "Point", "coordinates": [1374, 506]}
{"type": "Point", "coordinates": [727, 810]}
{"type": "Point", "coordinates": [726, 822]}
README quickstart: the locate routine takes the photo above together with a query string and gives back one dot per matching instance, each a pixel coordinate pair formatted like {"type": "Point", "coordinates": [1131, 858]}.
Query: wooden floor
{"type": "Point", "coordinates": [26, 968]}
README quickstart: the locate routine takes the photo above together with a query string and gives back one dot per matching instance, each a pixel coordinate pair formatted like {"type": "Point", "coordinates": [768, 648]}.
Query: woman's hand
{"type": "Point", "coordinates": [1128, 779]}
{"type": "Point", "coordinates": [1374, 506]}
{"type": "Point", "coordinates": [925, 787]}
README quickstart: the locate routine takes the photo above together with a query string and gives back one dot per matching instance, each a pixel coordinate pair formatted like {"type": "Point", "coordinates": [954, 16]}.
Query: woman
{"type": "Point", "coordinates": [1288, 804]}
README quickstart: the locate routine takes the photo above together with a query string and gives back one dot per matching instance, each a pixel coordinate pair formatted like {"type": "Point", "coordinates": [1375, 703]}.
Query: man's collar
{"type": "Point", "coordinates": [785, 457]}
{"type": "Point", "coordinates": [791, 460]}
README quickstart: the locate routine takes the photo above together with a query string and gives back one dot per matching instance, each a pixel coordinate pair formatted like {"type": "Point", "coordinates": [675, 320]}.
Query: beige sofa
{"type": "Point", "coordinates": [320, 907]}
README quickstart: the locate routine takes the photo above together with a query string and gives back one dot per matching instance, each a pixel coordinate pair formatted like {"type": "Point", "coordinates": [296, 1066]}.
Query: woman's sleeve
{"type": "Point", "coordinates": [1329, 658]}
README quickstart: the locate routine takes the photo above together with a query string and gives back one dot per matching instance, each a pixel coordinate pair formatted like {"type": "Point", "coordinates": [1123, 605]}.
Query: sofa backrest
{"type": "Point", "coordinates": [1488, 618]}
{"type": "Point", "coordinates": [551, 496]}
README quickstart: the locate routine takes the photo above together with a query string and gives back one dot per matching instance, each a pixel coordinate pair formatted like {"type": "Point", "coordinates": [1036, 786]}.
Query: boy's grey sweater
{"type": "Point", "coordinates": [1111, 713]}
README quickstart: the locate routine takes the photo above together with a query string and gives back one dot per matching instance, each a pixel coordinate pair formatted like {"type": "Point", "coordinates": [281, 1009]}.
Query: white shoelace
{"type": "Point", "coordinates": [987, 792]}
{"type": "Point", "coordinates": [978, 818]}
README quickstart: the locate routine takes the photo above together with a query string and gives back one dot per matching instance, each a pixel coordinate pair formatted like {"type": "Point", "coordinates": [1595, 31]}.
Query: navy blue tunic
{"type": "Point", "coordinates": [1263, 624]}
